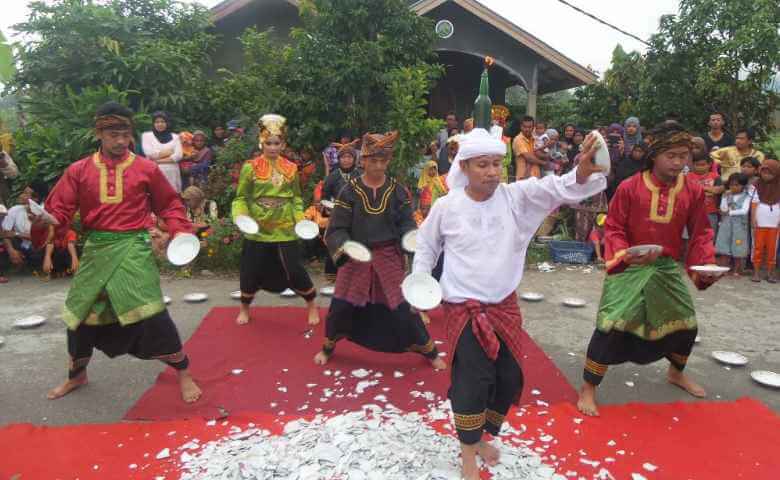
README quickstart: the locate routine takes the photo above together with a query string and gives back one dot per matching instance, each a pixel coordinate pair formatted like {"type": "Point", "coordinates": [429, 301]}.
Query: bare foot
{"type": "Point", "coordinates": [321, 358]}
{"type": "Point", "coordinates": [587, 401]}
{"type": "Point", "coordinates": [243, 317]}
{"type": "Point", "coordinates": [438, 364]}
{"type": "Point", "coordinates": [678, 378]}
{"type": "Point", "coordinates": [66, 387]}
{"type": "Point", "coordinates": [190, 392]}
{"type": "Point", "coordinates": [489, 453]}
{"type": "Point", "coordinates": [314, 316]}
{"type": "Point", "coordinates": [469, 470]}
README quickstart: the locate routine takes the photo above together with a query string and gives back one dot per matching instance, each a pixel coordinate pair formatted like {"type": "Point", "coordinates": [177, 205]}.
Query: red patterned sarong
{"type": "Point", "coordinates": [488, 322]}
{"type": "Point", "coordinates": [377, 282]}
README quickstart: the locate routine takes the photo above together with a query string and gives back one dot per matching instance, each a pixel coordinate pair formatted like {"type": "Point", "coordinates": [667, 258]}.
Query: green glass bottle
{"type": "Point", "coordinates": [483, 105]}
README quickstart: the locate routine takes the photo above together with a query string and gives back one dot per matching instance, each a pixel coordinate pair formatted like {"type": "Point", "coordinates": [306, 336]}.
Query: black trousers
{"type": "Point", "coordinates": [617, 347]}
{"type": "Point", "coordinates": [274, 267]}
{"type": "Point", "coordinates": [155, 338]}
{"type": "Point", "coordinates": [377, 328]}
{"type": "Point", "coordinates": [482, 390]}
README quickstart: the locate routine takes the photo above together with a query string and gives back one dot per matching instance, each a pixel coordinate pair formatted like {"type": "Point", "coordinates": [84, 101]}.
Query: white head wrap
{"type": "Point", "coordinates": [476, 143]}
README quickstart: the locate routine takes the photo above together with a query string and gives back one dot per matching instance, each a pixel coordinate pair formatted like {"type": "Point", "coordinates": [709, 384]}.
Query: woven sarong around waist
{"type": "Point", "coordinates": [649, 301]}
{"type": "Point", "coordinates": [117, 280]}
{"type": "Point", "coordinates": [377, 282]}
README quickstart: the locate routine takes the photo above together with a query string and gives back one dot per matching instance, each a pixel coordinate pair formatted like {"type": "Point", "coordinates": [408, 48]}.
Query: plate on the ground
{"type": "Point", "coordinates": [422, 291]}
{"type": "Point", "coordinates": [328, 204]}
{"type": "Point", "coordinates": [641, 250]}
{"type": "Point", "coordinates": [730, 358]}
{"type": "Point", "coordinates": [574, 302]}
{"type": "Point", "coordinates": [196, 297]}
{"type": "Point", "coordinates": [767, 378]}
{"type": "Point", "coordinates": [409, 241]}
{"type": "Point", "coordinates": [235, 295]}
{"type": "Point", "coordinates": [602, 153]}
{"type": "Point", "coordinates": [288, 293]}
{"type": "Point", "coordinates": [357, 251]}
{"type": "Point", "coordinates": [30, 322]}
{"type": "Point", "coordinates": [328, 290]}
{"type": "Point", "coordinates": [167, 299]}
{"type": "Point", "coordinates": [697, 339]}
{"type": "Point", "coordinates": [246, 224]}
{"type": "Point", "coordinates": [38, 211]}
{"type": "Point", "coordinates": [710, 269]}
{"type": "Point", "coordinates": [2, 341]}
{"type": "Point", "coordinates": [532, 297]}
{"type": "Point", "coordinates": [183, 249]}
{"type": "Point", "coordinates": [307, 230]}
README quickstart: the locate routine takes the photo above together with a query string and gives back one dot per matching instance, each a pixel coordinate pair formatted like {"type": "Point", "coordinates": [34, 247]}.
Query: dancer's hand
{"type": "Point", "coordinates": [586, 167]}
{"type": "Point", "coordinates": [159, 241]}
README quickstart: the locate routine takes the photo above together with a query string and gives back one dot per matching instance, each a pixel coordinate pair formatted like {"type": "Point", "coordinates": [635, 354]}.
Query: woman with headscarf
{"type": "Point", "coordinates": [164, 147]}
{"type": "Point", "coordinates": [632, 135]}
{"type": "Point", "coordinates": [432, 182]}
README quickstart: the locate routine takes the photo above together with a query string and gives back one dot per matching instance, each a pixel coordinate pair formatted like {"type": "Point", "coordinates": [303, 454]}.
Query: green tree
{"type": "Point", "coordinates": [6, 60]}
{"type": "Point", "coordinates": [155, 48]}
{"type": "Point", "coordinates": [715, 56]}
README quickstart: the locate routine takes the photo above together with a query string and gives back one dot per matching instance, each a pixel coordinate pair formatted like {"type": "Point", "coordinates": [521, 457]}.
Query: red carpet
{"type": "Point", "coordinates": [277, 374]}
{"type": "Point", "coordinates": [697, 441]}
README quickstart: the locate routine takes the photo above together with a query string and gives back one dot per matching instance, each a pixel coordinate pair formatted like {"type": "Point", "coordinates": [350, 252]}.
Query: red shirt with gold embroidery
{"type": "Point", "coordinates": [644, 211]}
{"type": "Point", "coordinates": [116, 196]}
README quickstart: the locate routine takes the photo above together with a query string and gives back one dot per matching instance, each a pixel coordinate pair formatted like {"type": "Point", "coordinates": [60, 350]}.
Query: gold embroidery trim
{"type": "Point", "coordinates": [367, 204]}
{"type": "Point", "coordinates": [654, 199]}
{"type": "Point", "coordinates": [469, 422]}
{"type": "Point", "coordinates": [427, 348]}
{"type": "Point", "coordinates": [595, 368]}
{"type": "Point", "coordinates": [494, 417]}
{"type": "Point", "coordinates": [119, 182]}
{"type": "Point", "coordinates": [141, 313]}
{"type": "Point", "coordinates": [341, 204]}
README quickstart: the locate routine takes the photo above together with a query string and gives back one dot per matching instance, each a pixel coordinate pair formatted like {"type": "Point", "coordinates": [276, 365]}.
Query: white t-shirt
{"type": "Point", "coordinates": [18, 221]}
{"type": "Point", "coordinates": [767, 216]}
{"type": "Point", "coordinates": [485, 243]}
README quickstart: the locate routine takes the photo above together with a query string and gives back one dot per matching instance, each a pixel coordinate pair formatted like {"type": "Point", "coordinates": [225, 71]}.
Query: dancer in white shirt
{"type": "Point", "coordinates": [484, 228]}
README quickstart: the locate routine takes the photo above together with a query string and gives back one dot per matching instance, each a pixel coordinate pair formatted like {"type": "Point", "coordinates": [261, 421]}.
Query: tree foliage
{"type": "Point", "coordinates": [711, 56]}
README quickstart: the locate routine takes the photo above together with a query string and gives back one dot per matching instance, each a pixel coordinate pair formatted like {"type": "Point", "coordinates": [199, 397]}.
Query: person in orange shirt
{"type": "Point", "coordinates": [527, 164]}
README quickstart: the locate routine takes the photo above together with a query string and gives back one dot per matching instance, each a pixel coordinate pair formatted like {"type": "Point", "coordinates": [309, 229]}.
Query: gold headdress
{"type": "Point", "coordinates": [500, 112]}
{"type": "Point", "coordinates": [376, 144]}
{"type": "Point", "coordinates": [272, 124]}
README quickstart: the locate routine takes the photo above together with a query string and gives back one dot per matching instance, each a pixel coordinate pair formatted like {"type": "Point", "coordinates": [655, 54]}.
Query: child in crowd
{"type": "Point", "coordinates": [424, 207]}
{"type": "Point", "coordinates": [4, 262]}
{"type": "Point", "coordinates": [187, 159]}
{"type": "Point", "coordinates": [711, 183]}
{"type": "Point", "coordinates": [597, 237]}
{"type": "Point", "coordinates": [732, 241]}
{"type": "Point", "coordinates": [60, 255]}
{"type": "Point", "coordinates": [749, 167]}
{"type": "Point", "coordinates": [766, 220]}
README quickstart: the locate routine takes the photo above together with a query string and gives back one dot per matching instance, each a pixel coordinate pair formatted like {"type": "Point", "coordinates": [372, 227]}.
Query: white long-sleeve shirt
{"type": "Point", "coordinates": [485, 243]}
{"type": "Point", "coordinates": [741, 202]}
{"type": "Point", "coordinates": [153, 151]}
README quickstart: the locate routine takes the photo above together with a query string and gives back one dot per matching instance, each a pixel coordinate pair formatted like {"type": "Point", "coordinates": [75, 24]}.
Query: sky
{"type": "Point", "coordinates": [571, 33]}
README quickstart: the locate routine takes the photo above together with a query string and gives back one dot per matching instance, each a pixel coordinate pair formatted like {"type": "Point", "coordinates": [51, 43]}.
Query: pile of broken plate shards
{"type": "Point", "coordinates": [374, 444]}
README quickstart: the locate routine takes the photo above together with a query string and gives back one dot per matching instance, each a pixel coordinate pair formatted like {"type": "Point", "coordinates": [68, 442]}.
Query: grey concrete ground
{"type": "Point", "coordinates": [734, 315]}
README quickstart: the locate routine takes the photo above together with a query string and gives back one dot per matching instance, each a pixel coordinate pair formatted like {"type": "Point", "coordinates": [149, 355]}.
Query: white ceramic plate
{"type": "Point", "coordinates": [574, 302]}
{"type": "Point", "coordinates": [30, 322]}
{"type": "Point", "coordinates": [288, 293]}
{"type": "Point", "coordinates": [422, 291]}
{"type": "Point", "coordinates": [640, 250]}
{"type": "Point", "coordinates": [328, 291]}
{"type": "Point", "coordinates": [328, 204]}
{"type": "Point", "coordinates": [2, 341]}
{"type": "Point", "coordinates": [697, 339]}
{"type": "Point", "coordinates": [711, 269]}
{"type": "Point", "coordinates": [307, 230]}
{"type": "Point", "coordinates": [730, 358]}
{"type": "Point", "coordinates": [767, 378]}
{"type": "Point", "coordinates": [357, 251]}
{"type": "Point", "coordinates": [236, 295]}
{"type": "Point", "coordinates": [183, 249]}
{"type": "Point", "coordinates": [532, 297]}
{"type": "Point", "coordinates": [246, 224]}
{"type": "Point", "coordinates": [602, 153]}
{"type": "Point", "coordinates": [196, 297]}
{"type": "Point", "coordinates": [167, 299]}
{"type": "Point", "coordinates": [38, 211]}
{"type": "Point", "coordinates": [409, 241]}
